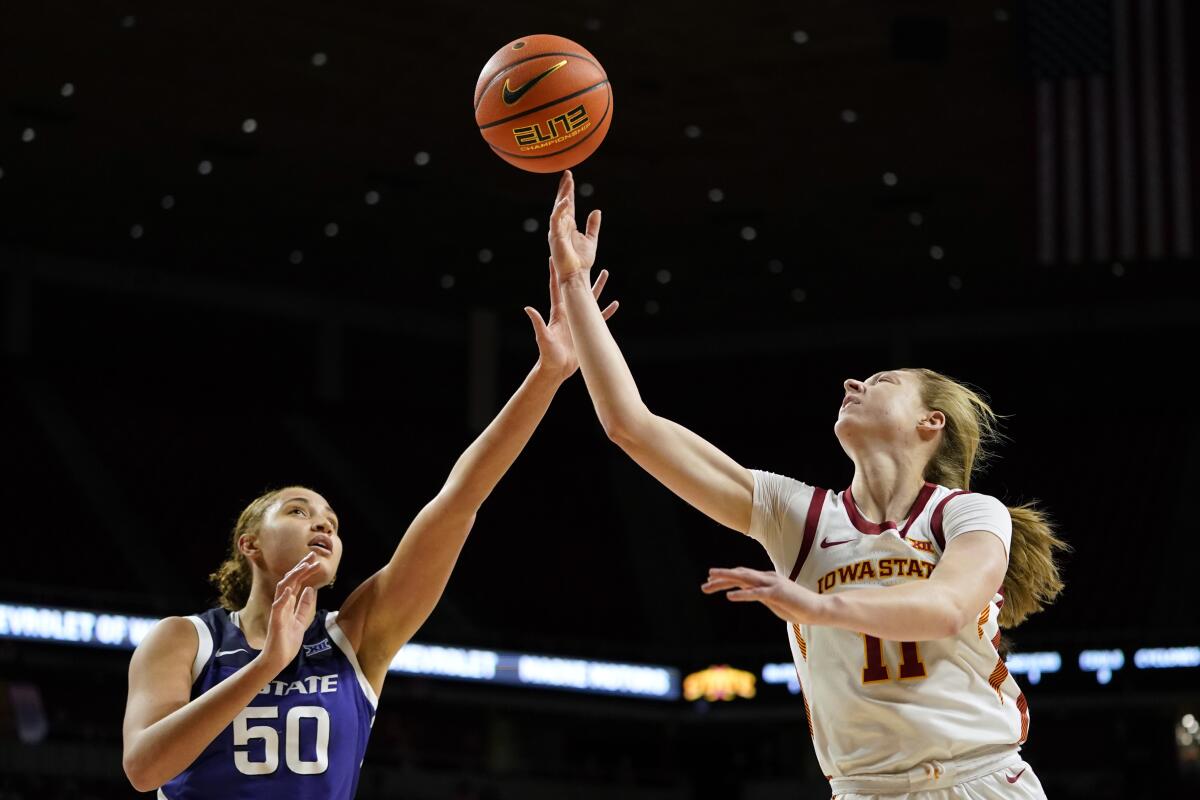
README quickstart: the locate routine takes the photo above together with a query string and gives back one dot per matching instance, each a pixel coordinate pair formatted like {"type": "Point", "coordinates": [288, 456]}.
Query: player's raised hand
{"type": "Point", "coordinates": [556, 351]}
{"type": "Point", "coordinates": [572, 251]}
{"type": "Point", "coordinates": [786, 599]}
{"type": "Point", "coordinates": [290, 612]}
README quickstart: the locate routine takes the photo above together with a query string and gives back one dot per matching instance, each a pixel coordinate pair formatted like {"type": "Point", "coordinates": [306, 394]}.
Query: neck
{"type": "Point", "coordinates": [253, 618]}
{"type": "Point", "coordinates": [886, 485]}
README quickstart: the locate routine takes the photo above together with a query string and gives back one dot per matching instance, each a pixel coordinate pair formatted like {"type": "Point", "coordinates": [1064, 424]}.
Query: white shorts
{"type": "Point", "coordinates": [996, 777]}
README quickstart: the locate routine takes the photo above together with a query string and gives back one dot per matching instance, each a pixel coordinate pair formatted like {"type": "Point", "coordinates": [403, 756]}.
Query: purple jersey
{"type": "Point", "coordinates": [303, 737]}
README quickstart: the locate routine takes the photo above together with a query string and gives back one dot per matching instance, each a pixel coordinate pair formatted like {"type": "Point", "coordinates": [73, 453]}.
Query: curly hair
{"type": "Point", "coordinates": [235, 577]}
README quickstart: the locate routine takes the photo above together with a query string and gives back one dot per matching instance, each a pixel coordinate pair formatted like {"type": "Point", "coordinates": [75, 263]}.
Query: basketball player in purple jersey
{"type": "Point", "coordinates": [267, 696]}
{"type": "Point", "coordinates": [906, 692]}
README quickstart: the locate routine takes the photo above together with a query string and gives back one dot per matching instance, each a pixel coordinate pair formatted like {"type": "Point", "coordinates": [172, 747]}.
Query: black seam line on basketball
{"type": "Point", "coordinates": [568, 147]}
{"type": "Point", "coordinates": [543, 105]}
{"type": "Point", "coordinates": [516, 64]}
{"type": "Point", "coordinates": [502, 73]}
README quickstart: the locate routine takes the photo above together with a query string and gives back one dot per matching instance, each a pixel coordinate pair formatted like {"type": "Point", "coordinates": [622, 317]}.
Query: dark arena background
{"type": "Point", "coordinates": [250, 244]}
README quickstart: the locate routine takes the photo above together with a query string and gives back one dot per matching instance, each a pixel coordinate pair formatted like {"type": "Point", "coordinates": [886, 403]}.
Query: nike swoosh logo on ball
{"type": "Point", "coordinates": [827, 543]}
{"type": "Point", "coordinates": [1015, 778]}
{"type": "Point", "coordinates": [513, 95]}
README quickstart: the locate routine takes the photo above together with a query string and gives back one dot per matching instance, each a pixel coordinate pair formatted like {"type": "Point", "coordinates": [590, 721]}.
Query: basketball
{"type": "Point", "coordinates": [543, 103]}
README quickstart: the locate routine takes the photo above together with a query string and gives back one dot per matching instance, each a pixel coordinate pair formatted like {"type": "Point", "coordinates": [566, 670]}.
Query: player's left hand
{"type": "Point", "coordinates": [788, 600]}
{"type": "Point", "coordinates": [572, 250]}
{"type": "Point", "coordinates": [556, 351]}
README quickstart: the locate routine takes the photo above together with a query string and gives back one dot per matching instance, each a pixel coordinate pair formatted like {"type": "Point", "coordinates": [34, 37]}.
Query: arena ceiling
{"type": "Point", "coordinates": [878, 148]}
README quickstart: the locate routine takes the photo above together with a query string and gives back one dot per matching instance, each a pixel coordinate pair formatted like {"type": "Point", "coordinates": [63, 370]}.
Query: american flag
{"type": "Point", "coordinates": [1114, 175]}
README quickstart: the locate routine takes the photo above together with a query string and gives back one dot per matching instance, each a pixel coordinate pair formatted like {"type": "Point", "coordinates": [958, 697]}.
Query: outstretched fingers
{"type": "Point", "coordinates": [720, 579]}
{"type": "Point", "coordinates": [564, 202]}
{"type": "Point", "coordinates": [281, 596]}
{"type": "Point", "coordinates": [562, 219]}
{"type": "Point", "coordinates": [750, 576]}
{"type": "Point", "coordinates": [566, 188]}
{"type": "Point", "coordinates": [744, 585]}
{"type": "Point", "coordinates": [598, 286]}
{"type": "Point", "coordinates": [756, 594]}
{"type": "Point", "coordinates": [296, 575]}
{"type": "Point", "coordinates": [593, 224]}
{"type": "Point", "coordinates": [306, 604]}
{"type": "Point", "coordinates": [539, 324]}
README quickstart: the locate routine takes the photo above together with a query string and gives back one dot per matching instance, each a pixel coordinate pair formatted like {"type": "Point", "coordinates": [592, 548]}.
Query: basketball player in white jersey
{"type": "Point", "coordinates": [904, 687]}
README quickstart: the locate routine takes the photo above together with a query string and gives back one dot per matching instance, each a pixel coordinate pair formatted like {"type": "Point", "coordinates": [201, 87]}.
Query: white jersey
{"type": "Point", "coordinates": [877, 706]}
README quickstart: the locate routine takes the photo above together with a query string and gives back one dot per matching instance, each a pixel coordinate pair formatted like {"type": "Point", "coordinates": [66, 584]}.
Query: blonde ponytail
{"type": "Point", "coordinates": [1032, 581]}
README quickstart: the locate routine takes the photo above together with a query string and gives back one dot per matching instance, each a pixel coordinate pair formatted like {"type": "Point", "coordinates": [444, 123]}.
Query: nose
{"type": "Point", "coordinates": [854, 386]}
{"type": "Point", "coordinates": [322, 526]}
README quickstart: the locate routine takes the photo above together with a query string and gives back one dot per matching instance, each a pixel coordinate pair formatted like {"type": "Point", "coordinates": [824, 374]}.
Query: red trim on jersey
{"type": "Point", "coordinates": [810, 529]}
{"type": "Point", "coordinates": [803, 645]}
{"type": "Point", "coordinates": [998, 677]}
{"type": "Point", "coordinates": [866, 526]}
{"type": "Point", "coordinates": [804, 697]}
{"type": "Point", "coordinates": [935, 524]}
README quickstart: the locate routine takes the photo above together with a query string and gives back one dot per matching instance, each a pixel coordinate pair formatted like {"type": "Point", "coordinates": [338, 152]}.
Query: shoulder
{"type": "Point", "coordinates": [779, 503]}
{"type": "Point", "coordinates": [171, 639]}
{"type": "Point", "coordinates": [974, 513]}
{"type": "Point", "coordinates": [948, 500]}
{"type": "Point", "coordinates": [184, 638]}
{"type": "Point", "coordinates": [784, 513]}
{"type": "Point", "coordinates": [770, 485]}
{"type": "Point", "coordinates": [973, 503]}
{"type": "Point", "coordinates": [171, 629]}
{"type": "Point", "coordinates": [957, 511]}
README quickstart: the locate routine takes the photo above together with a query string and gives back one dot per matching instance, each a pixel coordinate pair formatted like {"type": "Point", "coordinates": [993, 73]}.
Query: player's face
{"type": "Point", "coordinates": [886, 405]}
{"type": "Point", "coordinates": [300, 521]}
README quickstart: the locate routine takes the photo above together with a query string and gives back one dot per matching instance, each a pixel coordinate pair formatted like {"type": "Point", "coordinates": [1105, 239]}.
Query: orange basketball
{"type": "Point", "coordinates": [543, 103]}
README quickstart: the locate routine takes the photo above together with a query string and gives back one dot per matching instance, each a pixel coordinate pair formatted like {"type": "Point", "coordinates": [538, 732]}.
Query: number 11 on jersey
{"type": "Point", "coordinates": [874, 668]}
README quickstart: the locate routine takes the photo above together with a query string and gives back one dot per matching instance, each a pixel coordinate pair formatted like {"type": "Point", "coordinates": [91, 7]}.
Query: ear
{"type": "Point", "coordinates": [931, 422]}
{"type": "Point", "coordinates": [247, 545]}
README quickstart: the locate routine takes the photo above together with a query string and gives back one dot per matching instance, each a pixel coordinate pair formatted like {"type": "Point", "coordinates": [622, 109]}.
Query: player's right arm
{"type": "Point", "coordinates": [164, 731]}
{"type": "Point", "coordinates": [685, 463]}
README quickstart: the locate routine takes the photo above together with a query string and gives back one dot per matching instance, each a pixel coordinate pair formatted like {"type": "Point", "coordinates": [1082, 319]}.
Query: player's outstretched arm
{"type": "Point", "coordinates": [685, 463]}
{"type": "Point", "coordinates": [388, 608]}
{"type": "Point", "coordinates": [164, 732]}
{"type": "Point", "coordinates": [965, 580]}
